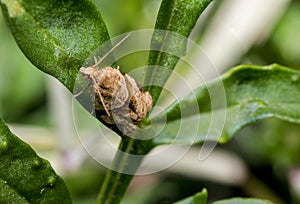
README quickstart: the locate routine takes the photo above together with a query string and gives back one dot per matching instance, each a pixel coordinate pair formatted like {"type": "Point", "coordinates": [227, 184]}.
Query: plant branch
{"type": "Point", "coordinates": [123, 168]}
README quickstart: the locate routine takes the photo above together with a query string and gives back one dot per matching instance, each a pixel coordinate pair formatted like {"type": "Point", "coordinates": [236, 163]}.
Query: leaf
{"type": "Point", "coordinates": [198, 198]}
{"type": "Point", "coordinates": [242, 201]}
{"type": "Point", "coordinates": [56, 36]}
{"type": "Point", "coordinates": [252, 93]}
{"type": "Point", "coordinates": [9, 195]}
{"type": "Point", "coordinates": [175, 21]}
{"type": "Point", "coordinates": [25, 177]}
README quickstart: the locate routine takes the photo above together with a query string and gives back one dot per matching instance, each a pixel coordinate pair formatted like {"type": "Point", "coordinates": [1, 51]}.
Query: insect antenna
{"type": "Point", "coordinates": [98, 62]}
{"type": "Point", "coordinates": [111, 50]}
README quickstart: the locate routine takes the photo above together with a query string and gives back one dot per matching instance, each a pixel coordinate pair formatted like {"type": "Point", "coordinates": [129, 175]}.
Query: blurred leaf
{"type": "Point", "coordinates": [25, 177]}
{"type": "Point", "coordinates": [252, 93]}
{"type": "Point", "coordinates": [56, 36]}
{"type": "Point", "coordinates": [242, 201]}
{"type": "Point", "coordinates": [285, 145]}
{"type": "Point", "coordinates": [15, 72]}
{"type": "Point", "coordinates": [126, 18]}
{"type": "Point", "coordinates": [285, 37]}
{"type": "Point", "coordinates": [198, 198]}
{"type": "Point", "coordinates": [175, 21]}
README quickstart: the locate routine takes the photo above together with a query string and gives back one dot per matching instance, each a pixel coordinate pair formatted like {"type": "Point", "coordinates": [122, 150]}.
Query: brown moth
{"type": "Point", "coordinates": [118, 99]}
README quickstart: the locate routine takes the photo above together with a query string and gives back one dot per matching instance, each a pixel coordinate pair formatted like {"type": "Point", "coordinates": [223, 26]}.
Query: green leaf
{"type": "Point", "coordinates": [242, 201]}
{"type": "Point", "coordinates": [198, 198]}
{"type": "Point", "coordinates": [175, 21]}
{"type": "Point", "coordinates": [252, 93]}
{"type": "Point", "coordinates": [9, 195]}
{"type": "Point", "coordinates": [56, 36]}
{"type": "Point", "coordinates": [25, 177]}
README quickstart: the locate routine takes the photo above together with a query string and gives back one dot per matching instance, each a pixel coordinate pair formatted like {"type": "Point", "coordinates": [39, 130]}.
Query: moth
{"type": "Point", "coordinates": [118, 100]}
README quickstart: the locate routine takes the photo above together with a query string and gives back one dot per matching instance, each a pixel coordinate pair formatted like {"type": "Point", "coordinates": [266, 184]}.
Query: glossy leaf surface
{"type": "Point", "coordinates": [251, 93]}
{"type": "Point", "coordinates": [175, 21]}
{"type": "Point", "coordinates": [56, 36]}
{"type": "Point", "coordinates": [24, 176]}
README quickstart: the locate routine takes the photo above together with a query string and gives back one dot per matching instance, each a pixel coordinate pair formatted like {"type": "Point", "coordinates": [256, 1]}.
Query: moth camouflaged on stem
{"type": "Point", "coordinates": [118, 100]}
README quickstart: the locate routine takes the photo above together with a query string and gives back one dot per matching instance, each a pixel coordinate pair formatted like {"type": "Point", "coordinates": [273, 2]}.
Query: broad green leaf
{"type": "Point", "coordinates": [242, 201]}
{"type": "Point", "coordinates": [56, 36]}
{"type": "Point", "coordinates": [198, 198]}
{"type": "Point", "coordinates": [9, 195]}
{"type": "Point", "coordinates": [175, 21]}
{"type": "Point", "coordinates": [25, 177]}
{"type": "Point", "coordinates": [252, 93]}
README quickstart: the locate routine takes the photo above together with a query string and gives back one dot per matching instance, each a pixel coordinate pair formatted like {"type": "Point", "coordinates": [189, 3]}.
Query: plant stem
{"type": "Point", "coordinates": [116, 182]}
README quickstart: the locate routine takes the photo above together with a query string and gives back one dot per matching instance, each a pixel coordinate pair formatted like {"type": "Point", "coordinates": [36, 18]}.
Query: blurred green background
{"type": "Point", "coordinates": [270, 149]}
{"type": "Point", "coordinates": [22, 86]}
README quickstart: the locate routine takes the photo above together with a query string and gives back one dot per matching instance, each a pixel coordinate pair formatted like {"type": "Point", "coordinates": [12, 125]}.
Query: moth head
{"type": "Point", "coordinates": [86, 71]}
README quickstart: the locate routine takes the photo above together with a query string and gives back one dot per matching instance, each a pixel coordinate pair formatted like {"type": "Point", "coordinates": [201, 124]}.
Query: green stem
{"type": "Point", "coordinates": [116, 182]}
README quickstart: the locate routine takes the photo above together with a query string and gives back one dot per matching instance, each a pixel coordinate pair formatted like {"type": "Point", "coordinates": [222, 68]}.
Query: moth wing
{"type": "Point", "coordinates": [121, 96]}
{"type": "Point", "coordinates": [132, 86]}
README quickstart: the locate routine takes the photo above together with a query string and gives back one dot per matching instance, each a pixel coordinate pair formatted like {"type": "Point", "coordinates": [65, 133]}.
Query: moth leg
{"type": "Point", "coordinates": [82, 91]}
{"type": "Point", "coordinates": [100, 96]}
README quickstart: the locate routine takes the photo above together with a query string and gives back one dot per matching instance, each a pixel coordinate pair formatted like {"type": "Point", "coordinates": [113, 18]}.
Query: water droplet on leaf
{"type": "Point", "coordinates": [3, 146]}
{"type": "Point", "coordinates": [37, 163]}
{"type": "Point", "coordinates": [52, 181]}
{"type": "Point", "coordinates": [253, 107]}
{"type": "Point", "coordinates": [257, 104]}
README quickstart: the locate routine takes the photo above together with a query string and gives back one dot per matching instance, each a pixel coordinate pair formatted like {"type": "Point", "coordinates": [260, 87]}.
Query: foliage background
{"type": "Point", "coordinates": [270, 148]}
